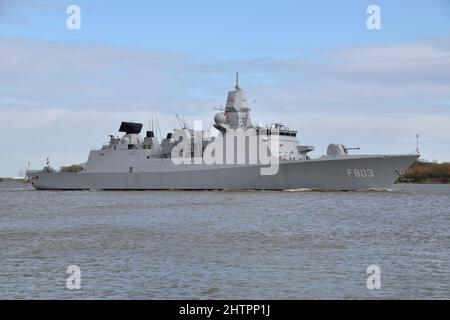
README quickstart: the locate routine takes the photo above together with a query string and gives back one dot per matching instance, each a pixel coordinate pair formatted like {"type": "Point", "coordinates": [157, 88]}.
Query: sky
{"type": "Point", "coordinates": [313, 65]}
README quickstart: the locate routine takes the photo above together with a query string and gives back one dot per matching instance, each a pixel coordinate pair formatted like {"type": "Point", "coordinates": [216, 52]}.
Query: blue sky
{"type": "Point", "coordinates": [313, 65]}
{"type": "Point", "coordinates": [228, 29]}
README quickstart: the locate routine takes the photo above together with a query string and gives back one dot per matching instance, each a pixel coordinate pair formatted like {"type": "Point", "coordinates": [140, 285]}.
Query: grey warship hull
{"type": "Point", "coordinates": [350, 172]}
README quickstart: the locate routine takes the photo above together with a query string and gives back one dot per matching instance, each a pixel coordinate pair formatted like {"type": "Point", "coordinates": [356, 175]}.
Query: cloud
{"type": "Point", "coordinates": [82, 77]}
{"type": "Point", "coordinates": [406, 78]}
{"type": "Point", "coordinates": [59, 100]}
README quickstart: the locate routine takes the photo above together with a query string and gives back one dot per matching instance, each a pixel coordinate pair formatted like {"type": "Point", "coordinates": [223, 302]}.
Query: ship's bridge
{"type": "Point", "coordinates": [281, 130]}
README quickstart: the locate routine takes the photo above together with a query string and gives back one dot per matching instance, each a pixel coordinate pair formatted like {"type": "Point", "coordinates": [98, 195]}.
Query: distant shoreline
{"type": "Point", "coordinates": [423, 172]}
{"type": "Point", "coordinates": [6, 179]}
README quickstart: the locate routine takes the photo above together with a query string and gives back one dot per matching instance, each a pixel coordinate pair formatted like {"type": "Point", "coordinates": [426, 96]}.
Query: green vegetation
{"type": "Point", "coordinates": [427, 172]}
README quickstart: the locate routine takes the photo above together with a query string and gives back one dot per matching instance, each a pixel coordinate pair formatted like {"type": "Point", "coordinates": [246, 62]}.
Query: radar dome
{"type": "Point", "coordinates": [220, 118]}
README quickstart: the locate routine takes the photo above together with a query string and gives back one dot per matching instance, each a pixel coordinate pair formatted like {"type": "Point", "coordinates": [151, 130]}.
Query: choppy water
{"type": "Point", "coordinates": [210, 245]}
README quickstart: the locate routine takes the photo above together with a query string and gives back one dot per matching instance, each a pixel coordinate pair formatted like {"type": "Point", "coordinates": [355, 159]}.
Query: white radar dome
{"type": "Point", "coordinates": [220, 118]}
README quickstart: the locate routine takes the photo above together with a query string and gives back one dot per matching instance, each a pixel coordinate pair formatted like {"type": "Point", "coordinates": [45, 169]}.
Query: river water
{"type": "Point", "coordinates": [225, 244]}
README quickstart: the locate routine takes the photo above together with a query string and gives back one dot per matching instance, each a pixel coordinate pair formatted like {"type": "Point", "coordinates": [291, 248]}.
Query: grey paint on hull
{"type": "Point", "coordinates": [326, 174]}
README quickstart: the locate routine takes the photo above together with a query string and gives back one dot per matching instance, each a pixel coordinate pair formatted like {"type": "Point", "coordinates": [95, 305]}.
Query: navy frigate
{"type": "Point", "coordinates": [188, 159]}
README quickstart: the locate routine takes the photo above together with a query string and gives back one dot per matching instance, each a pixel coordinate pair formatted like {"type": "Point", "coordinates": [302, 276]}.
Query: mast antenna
{"type": "Point", "coordinates": [237, 81]}
{"type": "Point", "coordinates": [219, 108]}
{"type": "Point", "coordinates": [181, 121]}
{"type": "Point", "coordinates": [417, 144]}
{"type": "Point", "coordinates": [157, 126]}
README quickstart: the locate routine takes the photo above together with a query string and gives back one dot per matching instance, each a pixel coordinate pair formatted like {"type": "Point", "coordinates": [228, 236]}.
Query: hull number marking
{"type": "Point", "coordinates": [360, 173]}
